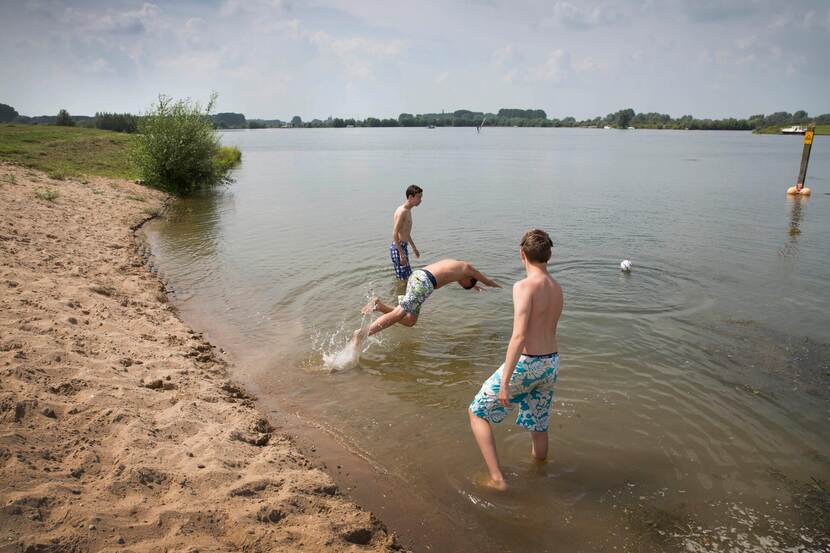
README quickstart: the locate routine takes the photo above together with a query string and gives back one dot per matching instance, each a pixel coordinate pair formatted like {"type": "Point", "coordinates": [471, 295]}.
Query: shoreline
{"type": "Point", "coordinates": [421, 523]}
{"type": "Point", "coordinates": [120, 427]}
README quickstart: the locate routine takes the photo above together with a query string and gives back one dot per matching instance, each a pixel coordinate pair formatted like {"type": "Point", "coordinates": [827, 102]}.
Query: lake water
{"type": "Point", "coordinates": [693, 405]}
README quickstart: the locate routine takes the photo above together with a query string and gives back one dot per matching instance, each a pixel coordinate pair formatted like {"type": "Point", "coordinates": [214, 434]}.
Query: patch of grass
{"type": "Point", "coordinates": [11, 178]}
{"type": "Point", "coordinates": [152, 211]}
{"type": "Point", "coordinates": [136, 197]}
{"type": "Point", "coordinates": [69, 151]}
{"type": "Point", "coordinates": [57, 174]}
{"type": "Point", "coordinates": [47, 194]}
{"type": "Point", "coordinates": [227, 158]}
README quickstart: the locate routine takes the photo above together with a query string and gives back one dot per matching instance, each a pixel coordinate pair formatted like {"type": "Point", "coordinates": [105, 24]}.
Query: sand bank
{"type": "Point", "coordinates": [119, 427]}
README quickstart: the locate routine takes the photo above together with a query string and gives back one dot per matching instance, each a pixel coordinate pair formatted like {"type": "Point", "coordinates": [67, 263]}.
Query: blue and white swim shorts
{"type": "Point", "coordinates": [531, 389]}
{"type": "Point", "coordinates": [402, 272]}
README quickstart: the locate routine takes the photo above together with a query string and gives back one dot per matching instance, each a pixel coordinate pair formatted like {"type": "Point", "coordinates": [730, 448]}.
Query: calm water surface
{"type": "Point", "coordinates": [693, 404]}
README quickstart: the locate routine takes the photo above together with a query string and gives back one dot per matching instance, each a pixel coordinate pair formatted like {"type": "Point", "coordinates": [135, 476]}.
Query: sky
{"type": "Point", "coordinates": [274, 59]}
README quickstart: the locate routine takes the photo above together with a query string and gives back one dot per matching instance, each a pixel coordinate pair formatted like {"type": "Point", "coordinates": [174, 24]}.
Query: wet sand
{"type": "Point", "coordinates": [119, 426]}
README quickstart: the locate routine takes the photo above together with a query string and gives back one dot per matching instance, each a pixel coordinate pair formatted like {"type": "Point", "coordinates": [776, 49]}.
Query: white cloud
{"type": "Point", "coordinates": [99, 67]}
{"type": "Point", "coordinates": [441, 78]}
{"type": "Point", "coordinates": [575, 16]}
{"type": "Point", "coordinates": [503, 55]}
{"type": "Point", "coordinates": [588, 65]}
{"type": "Point", "coordinates": [555, 68]}
{"type": "Point", "coordinates": [746, 42]}
{"type": "Point", "coordinates": [359, 55]}
{"type": "Point", "coordinates": [114, 22]}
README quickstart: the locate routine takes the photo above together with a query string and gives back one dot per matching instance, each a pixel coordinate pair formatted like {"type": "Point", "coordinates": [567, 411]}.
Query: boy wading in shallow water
{"type": "Point", "coordinates": [419, 286]}
{"type": "Point", "coordinates": [527, 377]}
{"type": "Point", "coordinates": [402, 233]}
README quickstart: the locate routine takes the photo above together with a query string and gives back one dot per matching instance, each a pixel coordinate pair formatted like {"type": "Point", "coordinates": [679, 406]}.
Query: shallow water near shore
{"type": "Point", "coordinates": [693, 403]}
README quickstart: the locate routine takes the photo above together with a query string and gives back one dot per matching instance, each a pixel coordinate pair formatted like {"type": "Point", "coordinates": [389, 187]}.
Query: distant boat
{"type": "Point", "coordinates": [606, 127]}
{"type": "Point", "coordinates": [430, 126]}
{"type": "Point", "coordinates": [796, 129]}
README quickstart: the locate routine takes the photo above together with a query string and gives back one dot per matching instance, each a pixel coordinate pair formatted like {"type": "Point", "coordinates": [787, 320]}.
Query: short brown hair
{"type": "Point", "coordinates": [536, 245]}
{"type": "Point", "coordinates": [413, 190]}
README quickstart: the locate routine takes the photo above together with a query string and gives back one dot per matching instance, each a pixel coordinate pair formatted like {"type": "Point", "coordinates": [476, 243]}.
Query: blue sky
{"type": "Point", "coordinates": [278, 58]}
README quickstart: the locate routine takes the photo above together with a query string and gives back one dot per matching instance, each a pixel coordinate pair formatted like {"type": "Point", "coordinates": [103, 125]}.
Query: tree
{"type": "Point", "coordinates": [176, 148]}
{"type": "Point", "coordinates": [406, 120]}
{"type": "Point", "coordinates": [7, 113]}
{"type": "Point", "coordinates": [624, 117]}
{"type": "Point", "coordinates": [296, 121]}
{"type": "Point", "coordinates": [64, 119]}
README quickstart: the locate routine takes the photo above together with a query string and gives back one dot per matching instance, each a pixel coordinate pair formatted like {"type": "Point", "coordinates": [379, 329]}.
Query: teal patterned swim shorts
{"type": "Point", "coordinates": [531, 388]}
{"type": "Point", "coordinates": [418, 288]}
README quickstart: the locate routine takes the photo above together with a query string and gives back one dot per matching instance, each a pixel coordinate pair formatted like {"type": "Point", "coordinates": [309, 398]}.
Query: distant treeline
{"type": "Point", "coordinates": [624, 118]}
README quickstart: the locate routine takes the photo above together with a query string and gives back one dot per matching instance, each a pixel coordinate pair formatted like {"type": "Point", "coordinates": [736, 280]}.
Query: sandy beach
{"type": "Point", "coordinates": [119, 427]}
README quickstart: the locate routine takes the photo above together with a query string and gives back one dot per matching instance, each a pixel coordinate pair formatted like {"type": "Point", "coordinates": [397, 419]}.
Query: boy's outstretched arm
{"type": "Point", "coordinates": [481, 277]}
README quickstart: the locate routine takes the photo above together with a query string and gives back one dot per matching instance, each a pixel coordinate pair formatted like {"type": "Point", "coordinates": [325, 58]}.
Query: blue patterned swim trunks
{"type": "Point", "coordinates": [531, 388]}
{"type": "Point", "coordinates": [402, 272]}
{"type": "Point", "coordinates": [418, 288]}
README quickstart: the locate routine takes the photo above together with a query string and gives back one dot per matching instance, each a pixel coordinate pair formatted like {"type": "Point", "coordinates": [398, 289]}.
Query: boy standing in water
{"type": "Point", "coordinates": [531, 364]}
{"type": "Point", "coordinates": [402, 233]}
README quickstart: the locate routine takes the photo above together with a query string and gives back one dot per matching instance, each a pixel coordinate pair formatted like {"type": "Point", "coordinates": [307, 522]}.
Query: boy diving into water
{"type": "Point", "coordinates": [420, 284]}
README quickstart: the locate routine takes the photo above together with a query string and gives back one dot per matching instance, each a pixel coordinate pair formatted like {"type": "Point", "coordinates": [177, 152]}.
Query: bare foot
{"type": "Point", "coordinates": [499, 485]}
{"type": "Point", "coordinates": [357, 338]}
{"type": "Point", "coordinates": [370, 307]}
{"type": "Point", "coordinates": [488, 482]}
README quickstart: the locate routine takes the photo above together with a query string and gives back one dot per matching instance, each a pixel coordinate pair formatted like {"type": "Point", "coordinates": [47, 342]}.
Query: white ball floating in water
{"type": "Point", "coordinates": [625, 266]}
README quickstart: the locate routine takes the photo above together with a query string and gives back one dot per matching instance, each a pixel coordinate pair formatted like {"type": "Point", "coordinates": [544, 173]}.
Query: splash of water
{"type": "Point", "coordinates": [348, 356]}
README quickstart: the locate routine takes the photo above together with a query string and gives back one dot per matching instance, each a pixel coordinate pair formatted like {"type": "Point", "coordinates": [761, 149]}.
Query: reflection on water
{"type": "Point", "coordinates": [693, 401]}
{"type": "Point", "coordinates": [790, 249]}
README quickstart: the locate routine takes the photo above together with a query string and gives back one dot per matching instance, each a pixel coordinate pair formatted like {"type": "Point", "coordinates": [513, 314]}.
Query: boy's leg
{"type": "Point", "coordinates": [539, 448]}
{"type": "Point", "coordinates": [376, 305]}
{"type": "Point", "coordinates": [381, 323]}
{"type": "Point", "coordinates": [487, 444]}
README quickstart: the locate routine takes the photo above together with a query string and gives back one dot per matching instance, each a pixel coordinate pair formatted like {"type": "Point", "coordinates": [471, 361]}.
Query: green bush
{"type": "Point", "coordinates": [227, 158]}
{"type": "Point", "coordinates": [64, 119]}
{"type": "Point", "coordinates": [176, 147]}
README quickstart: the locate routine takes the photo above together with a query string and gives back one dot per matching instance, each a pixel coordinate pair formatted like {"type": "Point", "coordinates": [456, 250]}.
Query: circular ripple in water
{"type": "Point", "coordinates": [599, 287]}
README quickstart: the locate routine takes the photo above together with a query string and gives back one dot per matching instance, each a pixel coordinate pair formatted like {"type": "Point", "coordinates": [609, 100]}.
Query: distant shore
{"type": "Point", "coordinates": [119, 427]}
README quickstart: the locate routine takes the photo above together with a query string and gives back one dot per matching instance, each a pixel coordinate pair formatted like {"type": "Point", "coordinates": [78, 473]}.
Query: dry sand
{"type": "Point", "coordinates": [119, 428]}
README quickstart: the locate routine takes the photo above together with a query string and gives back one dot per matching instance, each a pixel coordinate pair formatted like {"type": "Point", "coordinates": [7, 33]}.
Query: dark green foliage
{"type": "Point", "coordinates": [297, 121]}
{"type": "Point", "coordinates": [176, 147]}
{"type": "Point", "coordinates": [64, 119]}
{"type": "Point", "coordinates": [229, 121]}
{"type": "Point", "coordinates": [523, 113]}
{"type": "Point", "coordinates": [264, 123]}
{"type": "Point", "coordinates": [119, 122]}
{"type": "Point", "coordinates": [7, 113]}
{"type": "Point", "coordinates": [623, 118]}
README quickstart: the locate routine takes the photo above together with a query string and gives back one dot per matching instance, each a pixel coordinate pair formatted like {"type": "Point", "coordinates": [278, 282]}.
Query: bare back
{"type": "Point", "coordinates": [447, 271]}
{"type": "Point", "coordinates": [546, 303]}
